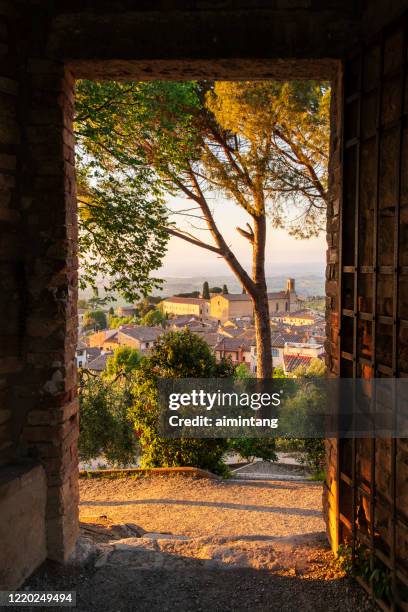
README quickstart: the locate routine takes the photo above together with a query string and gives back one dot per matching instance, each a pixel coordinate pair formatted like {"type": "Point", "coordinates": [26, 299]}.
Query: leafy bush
{"type": "Point", "coordinates": [251, 448]}
{"type": "Point", "coordinates": [300, 407]}
{"type": "Point", "coordinates": [115, 322]}
{"type": "Point", "coordinates": [242, 373]}
{"type": "Point", "coordinates": [314, 456]}
{"type": "Point", "coordinates": [105, 427]}
{"type": "Point", "coordinates": [153, 317]}
{"type": "Point", "coordinates": [123, 361]}
{"type": "Point", "coordinates": [94, 320]}
{"type": "Point", "coordinates": [180, 354]}
{"type": "Point", "coordinates": [371, 569]}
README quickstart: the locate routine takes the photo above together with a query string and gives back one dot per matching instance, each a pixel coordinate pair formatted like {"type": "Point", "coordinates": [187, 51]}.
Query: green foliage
{"type": "Point", "coordinates": [123, 361]}
{"type": "Point", "coordinates": [285, 129]}
{"type": "Point", "coordinates": [121, 212]}
{"type": "Point", "coordinates": [225, 290]}
{"type": "Point", "coordinates": [189, 294]}
{"type": "Point", "coordinates": [252, 448]}
{"type": "Point", "coordinates": [96, 301]}
{"type": "Point", "coordinates": [366, 565]}
{"type": "Point", "coordinates": [206, 291]}
{"type": "Point", "coordinates": [316, 369]}
{"type": "Point", "coordinates": [315, 302]}
{"type": "Point", "coordinates": [145, 306]}
{"type": "Point", "coordinates": [94, 320]}
{"type": "Point", "coordinates": [314, 456]}
{"type": "Point", "coordinates": [241, 372]}
{"type": "Point", "coordinates": [261, 144]}
{"type": "Point", "coordinates": [300, 408]}
{"type": "Point", "coordinates": [115, 322]}
{"type": "Point", "coordinates": [105, 428]}
{"type": "Point", "coordinates": [278, 372]}
{"type": "Point", "coordinates": [176, 355]}
{"type": "Point", "coordinates": [154, 318]}
{"type": "Point", "coordinates": [182, 354]}
{"type": "Point", "coordinates": [216, 290]}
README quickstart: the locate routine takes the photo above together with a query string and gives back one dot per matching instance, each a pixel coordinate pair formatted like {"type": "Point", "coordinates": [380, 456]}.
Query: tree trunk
{"type": "Point", "coordinates": [260, 301]}
{"type": "Point", "coordinates": [263, 337]}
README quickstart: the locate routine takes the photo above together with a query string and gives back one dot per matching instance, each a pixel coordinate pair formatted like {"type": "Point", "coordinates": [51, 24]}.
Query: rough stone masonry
{"type": "Point", "coordinates": [44, 46]}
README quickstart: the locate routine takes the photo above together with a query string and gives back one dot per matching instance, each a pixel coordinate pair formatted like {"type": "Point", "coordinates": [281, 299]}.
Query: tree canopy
{"type": "Point", "coordinates": [94, 320]}
{"type": "Point", "coordinates": [261, 144]}
{"type": "Point", "coordinates": [139, 142]}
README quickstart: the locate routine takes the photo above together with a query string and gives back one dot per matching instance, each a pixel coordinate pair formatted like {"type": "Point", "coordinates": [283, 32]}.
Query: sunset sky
{"type": "Point", "coordinates": [184, 259]}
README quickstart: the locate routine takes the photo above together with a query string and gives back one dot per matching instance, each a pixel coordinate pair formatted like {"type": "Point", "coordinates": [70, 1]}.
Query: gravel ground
{"type": "Point", "coordinates": [265, 470]}
{"type": "Point", "coordinates": [180, 505]}
{"type": "Point", "coordinates": [184, 545]}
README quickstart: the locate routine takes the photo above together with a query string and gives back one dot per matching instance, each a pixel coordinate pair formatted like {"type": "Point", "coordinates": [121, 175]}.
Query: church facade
{"type": "Point", "coordinates": [233, 305]}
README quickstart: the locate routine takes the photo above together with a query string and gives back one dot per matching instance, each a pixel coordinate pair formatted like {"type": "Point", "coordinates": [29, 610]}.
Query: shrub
{"type": "Point", "coordinates": [153, 318]}
{"type": "Point", "coordinates": [115, 322]}
{"type": "Point", "coordinates": [242, 372]}
{"type": "Point", "coordinates": [178, 354]}
{"type": "Point", "coordinates": [251, 448]}
{"type": "Point", "coordinates": [105, 427]}
{"type": "Point", "coordinates": [94, 320]}
{"type": "Point", "coordinates": [123, 362]}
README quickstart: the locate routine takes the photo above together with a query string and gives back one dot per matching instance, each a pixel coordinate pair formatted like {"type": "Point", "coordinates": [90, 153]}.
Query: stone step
{"type": "Point", "coordinates": [173, 551]}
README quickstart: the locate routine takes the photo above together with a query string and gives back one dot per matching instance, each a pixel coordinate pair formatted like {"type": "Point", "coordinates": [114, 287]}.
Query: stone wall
{"type": "Point", "coordinates": [22, 526]}
{"type": "Point", "coordinates": [38, 408]}
{"type": "Point", "coordinates": [47, 398]}
{"type": "Point", "coordinates": [43, 44]}
{"type": "Point", "coordinates": [11, 269]}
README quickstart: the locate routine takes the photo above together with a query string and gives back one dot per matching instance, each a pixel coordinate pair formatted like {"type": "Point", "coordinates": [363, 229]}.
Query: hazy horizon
{"type": "Point", "coordinates": [282, 250]}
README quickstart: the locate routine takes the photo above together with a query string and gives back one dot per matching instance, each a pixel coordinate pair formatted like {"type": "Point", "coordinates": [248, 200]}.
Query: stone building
{"type": "Point", "coordinates": [234, 305]}
{"type": "Point", "coordinates": [361, 48]}
{"type": "Point", "coordinates": [186, 306]}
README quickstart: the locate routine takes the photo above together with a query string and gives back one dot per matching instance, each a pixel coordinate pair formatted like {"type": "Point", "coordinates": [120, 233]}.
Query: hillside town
{"type": "Point", "coordinates": [223, 320]}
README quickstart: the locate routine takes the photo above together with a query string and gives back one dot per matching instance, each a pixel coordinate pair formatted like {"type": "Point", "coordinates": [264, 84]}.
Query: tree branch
{"type": "Point", "coordinates": [249, 235]}
{"type": "Point", "coordinates": [192, 240]}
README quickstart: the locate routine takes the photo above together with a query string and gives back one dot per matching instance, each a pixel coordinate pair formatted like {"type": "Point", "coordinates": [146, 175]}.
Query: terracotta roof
{"type": "Point", "coordinates": [231, 344]}
{"type": "Point", "coordinates": [233, 297]}
{"type": "Point", "coordinates": [142, 332]}
{"type": "Point", "coordinates": [211, 338]}
{"type": "Point", "coordinates": [292, 362]}
{"type": "Point", "coordinates": [244, 297]}
{"type": "Point", "coordinates": [185, 300]}
{"type": "Point", "coordinates": [304, 314]}
{"type": "Point", "coordinates": [230, 332]}
{"type": "Point", "coordinates": [281, 338]}
{"type": "Point", "coordinates": [248, 335]}
{"type": "Point", "coordinates": [99, 364]}
{"type": "Point", "coordinates": [92, 352]}
{"type": "Point", "coordinates": [182, 320]}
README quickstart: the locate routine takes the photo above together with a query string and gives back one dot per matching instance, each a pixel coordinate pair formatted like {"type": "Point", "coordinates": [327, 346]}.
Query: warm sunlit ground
{"type": "Point", "coordinates": [179, 544]}
{"type": "Point", "coordinates": [180, 505]}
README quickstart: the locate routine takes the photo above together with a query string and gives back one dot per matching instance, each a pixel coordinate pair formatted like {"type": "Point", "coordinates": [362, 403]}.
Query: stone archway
{"type": "Point", "coordinates": [44, 50]}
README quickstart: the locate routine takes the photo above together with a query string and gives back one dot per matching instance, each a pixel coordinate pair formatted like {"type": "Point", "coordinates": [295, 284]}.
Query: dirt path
{"type": "Point", "coordinates": [184, 545]}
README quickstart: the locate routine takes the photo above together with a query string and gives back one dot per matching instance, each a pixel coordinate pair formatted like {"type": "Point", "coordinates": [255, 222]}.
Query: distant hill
{"type": "Point", "coordinates": [312, 284]}
{"type": "Point", "coordinates": [309, 278]}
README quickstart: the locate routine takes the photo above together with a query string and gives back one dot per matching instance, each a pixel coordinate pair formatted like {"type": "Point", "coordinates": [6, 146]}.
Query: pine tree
{"type": "Point", "coordinates": [206, 291]}
{"type": "Point", "coordinates": [225, 290]}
